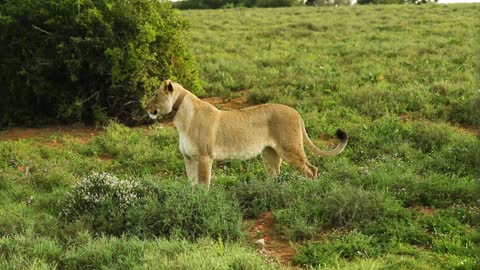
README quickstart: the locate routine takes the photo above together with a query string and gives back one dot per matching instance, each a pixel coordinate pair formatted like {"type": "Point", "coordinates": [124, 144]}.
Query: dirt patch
{"type": "Point", "coordinates": [423, 210]}
{"type": "Point", "coordinates": [79, 131]}
{"type": "Point", "coordinates": [236, 103]}
{"type": "Point", "coordinates": [275, 245]}
{"type": "Point", "coordinates": [86, 133]}
{"type": "Point", "coordinates": [222, 103]}
{"type": "Point", "coordinates": [469, 130]}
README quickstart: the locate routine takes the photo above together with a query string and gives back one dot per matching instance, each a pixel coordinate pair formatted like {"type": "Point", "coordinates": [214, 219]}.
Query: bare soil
{"type": "Point", "coordinates": [85, 133]}
{"type": "Point", "coordinates": [276, 246]}
{"type": "Point", "coordinates": [236, 103]}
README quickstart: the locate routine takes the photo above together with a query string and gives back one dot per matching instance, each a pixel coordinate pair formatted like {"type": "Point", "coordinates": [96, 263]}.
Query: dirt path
{"type": "Point", "coordinates": [86, 133]}
{"type": "Point", "coordinates": [76, 130]}
{"type": "Point", "coordinates": [469, 130]}
{"type": "Point", "coordinates": [276, 246]}
{"type": "Point", "coordinates": [239, 102]}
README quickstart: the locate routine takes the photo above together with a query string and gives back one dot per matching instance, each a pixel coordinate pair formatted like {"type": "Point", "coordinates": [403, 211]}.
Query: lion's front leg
{"type": "Point", "coordinates": [191, 168]}
{"type": "Point", "coordinates": [204, 170]}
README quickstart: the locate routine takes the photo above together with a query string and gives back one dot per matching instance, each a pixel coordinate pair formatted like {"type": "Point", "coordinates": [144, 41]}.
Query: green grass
{"type": "Point", "coordinates": [403, 195]}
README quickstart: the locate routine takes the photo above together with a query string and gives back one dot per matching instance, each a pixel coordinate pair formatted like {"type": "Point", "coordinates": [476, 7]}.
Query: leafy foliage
{"type": "Point", "coordinates": [109, 205]}
{"type": "Point", "coordinates": [88, 60]}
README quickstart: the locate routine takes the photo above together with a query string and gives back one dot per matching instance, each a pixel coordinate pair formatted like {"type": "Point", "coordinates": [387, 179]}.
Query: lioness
{"type": "Point", "coordinates": [207, 133]}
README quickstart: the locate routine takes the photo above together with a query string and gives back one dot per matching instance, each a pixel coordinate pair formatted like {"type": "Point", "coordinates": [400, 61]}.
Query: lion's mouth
{"type": "Point", "coordinates": [153, 116]}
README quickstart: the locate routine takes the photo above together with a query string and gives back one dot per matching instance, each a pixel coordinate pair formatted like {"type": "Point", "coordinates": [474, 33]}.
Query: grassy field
{"type": "Point", "coordinates": [401, 80]}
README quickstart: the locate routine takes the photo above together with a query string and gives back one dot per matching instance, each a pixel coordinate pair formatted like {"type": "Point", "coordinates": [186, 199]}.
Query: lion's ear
{"type": "Point", "coordinates": [170, 87]}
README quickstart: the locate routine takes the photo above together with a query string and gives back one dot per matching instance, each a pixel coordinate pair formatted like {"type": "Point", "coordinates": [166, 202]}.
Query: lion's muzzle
{"type": "Point", "coordinates": [153, 114]}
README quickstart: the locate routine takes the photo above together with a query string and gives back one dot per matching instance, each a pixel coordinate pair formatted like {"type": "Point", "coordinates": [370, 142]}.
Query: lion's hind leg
{"type": "Point", "coordinates": [295, 156]}
{"type": "Point", "coordinates": [272, 161]}
{"type": "Point", "coordinates": [313, 171]}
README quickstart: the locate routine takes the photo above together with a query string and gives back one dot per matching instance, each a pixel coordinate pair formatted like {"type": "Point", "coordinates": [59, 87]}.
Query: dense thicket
{"type": "Point", "coordinates": [70, 60]}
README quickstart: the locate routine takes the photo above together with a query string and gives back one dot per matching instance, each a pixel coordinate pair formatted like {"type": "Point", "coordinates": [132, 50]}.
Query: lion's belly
{"type": "Point", "coordinates": [238, 152]}
{"type": "Point", "coordinates": [242, 141]}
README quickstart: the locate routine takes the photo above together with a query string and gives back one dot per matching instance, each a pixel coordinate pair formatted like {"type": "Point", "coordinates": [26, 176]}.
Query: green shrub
{"type": "Point", "coordinates": [311, 207]}
{"type": "Point", "coordinates": [101, 190]}
{"type": "Point", "coordinates": [179, 210]}
{"type": "Point", "coordinates": [87, 60]}
{"type": "Point", "coordinates": [259, 195]}
{"type": "Point", "coordinates": [105, 204]}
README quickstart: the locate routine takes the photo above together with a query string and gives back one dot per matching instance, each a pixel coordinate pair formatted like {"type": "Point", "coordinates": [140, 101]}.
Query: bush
{"type": "Point", "coordinates": [107, 205]}
{"type": "Point", "coordinates": [99, 190]}
{"type": "Point", "coordinates": [104, 203]}
{"type": "Point", "coordinates": [315, 205]}
{"type": "Point", "coordinates": [88, 60]}
{"type": "Point", "coordinates": [259, 195]}
{"type": "Point", "coordinates": [179, 210]}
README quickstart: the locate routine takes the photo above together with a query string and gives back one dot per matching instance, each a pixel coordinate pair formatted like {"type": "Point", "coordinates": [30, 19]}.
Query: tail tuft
{"type": "Point", "coordinates": [342, 135]}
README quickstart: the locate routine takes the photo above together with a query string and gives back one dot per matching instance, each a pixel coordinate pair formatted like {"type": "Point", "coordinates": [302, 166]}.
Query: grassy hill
{"type": "Point", "coordinates": [401, 80]}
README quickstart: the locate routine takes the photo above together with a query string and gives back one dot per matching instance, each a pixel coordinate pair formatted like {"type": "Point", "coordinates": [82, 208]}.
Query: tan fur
{"type": "Point", "coordinates": [277, 132]}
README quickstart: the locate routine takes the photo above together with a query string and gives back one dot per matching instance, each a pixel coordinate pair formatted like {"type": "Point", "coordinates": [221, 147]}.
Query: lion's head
{"type": "Point", "coordinates": [163, 100]}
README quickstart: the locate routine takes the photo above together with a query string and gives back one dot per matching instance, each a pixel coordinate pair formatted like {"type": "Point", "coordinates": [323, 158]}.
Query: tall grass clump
{"type": "Point", "coordinates": [260, 194]}
{"type": "Point", "coordinates": [28, 252]}
{"type": "Point", "coordinates": [178, 209]}
{"type": "Point", "coordinates": [313, 206]}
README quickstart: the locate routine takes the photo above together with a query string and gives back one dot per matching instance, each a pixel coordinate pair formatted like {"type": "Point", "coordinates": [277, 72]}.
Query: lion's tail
{"type": "Point", "coordinates": [341, 135]}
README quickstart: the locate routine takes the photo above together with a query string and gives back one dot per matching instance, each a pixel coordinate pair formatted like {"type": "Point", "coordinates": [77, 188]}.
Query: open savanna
{"type": "Point", "coordinates": [401, 80]}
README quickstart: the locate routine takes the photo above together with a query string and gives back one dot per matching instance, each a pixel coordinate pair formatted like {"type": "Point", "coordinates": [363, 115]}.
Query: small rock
{"type": "Point", "coordinates": [260, 242]}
